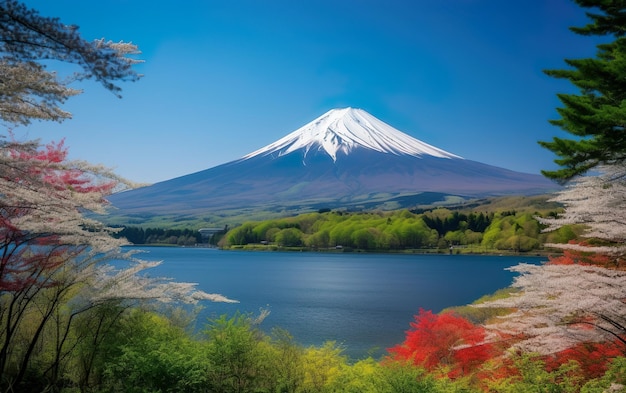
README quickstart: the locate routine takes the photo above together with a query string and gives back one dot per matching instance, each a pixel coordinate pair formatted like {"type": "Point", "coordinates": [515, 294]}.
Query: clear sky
{"type": "Point", "coordinates": [226, 77]}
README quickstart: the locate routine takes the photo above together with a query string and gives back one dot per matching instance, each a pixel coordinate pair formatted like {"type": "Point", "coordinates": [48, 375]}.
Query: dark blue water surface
{"type": "Point", "coordinates": [364, 302]}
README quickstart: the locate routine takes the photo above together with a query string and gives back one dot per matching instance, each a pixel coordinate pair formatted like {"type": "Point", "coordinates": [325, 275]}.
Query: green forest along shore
{"type": "Point", "coordinates": [504, 225]}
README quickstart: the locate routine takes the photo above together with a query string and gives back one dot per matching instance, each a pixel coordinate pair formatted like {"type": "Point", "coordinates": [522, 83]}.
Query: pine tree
{"type": "Point", "coordinates": [596, 116]}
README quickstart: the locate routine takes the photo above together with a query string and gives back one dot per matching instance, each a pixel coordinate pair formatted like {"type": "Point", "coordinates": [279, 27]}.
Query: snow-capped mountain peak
{"type": "Point", "coordinates": [343, 130]}
{"type": "Point", "coordinates": [349, 159]}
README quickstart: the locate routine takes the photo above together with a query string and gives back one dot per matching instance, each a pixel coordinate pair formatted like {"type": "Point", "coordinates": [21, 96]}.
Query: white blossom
{"type": "Point", "coordinates": [27, 38]}
{"type": "Point", "coordinates": [48, 232]}
{"type": "Point", "coordinates": [132, 283]}
{"type": "Point", "coordinates": [557, 306]}
{"type": "Point", "coordinates": [597, 201]}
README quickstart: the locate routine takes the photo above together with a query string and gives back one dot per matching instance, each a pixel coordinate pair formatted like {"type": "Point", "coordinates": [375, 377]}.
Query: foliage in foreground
{"type": "Point", "coordinates": [60, 295]}
{"type": "Point", "coordinates": [146, 351]}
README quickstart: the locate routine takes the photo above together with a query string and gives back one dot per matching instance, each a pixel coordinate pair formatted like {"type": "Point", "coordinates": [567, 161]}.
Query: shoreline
{"type": "Point", "coordinates": [334, 250]}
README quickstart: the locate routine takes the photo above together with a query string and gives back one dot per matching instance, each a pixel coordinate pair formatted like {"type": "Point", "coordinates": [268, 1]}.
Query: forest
{"type": "Point", "coordinates": [171, 237]}
{"type": "Point", "coordinates": [81, 313]}
{"type": "Point", "coordinates": [435, 230]}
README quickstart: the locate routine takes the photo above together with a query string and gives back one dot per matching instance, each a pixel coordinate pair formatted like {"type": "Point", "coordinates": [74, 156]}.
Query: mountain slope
{"type": "Point", "coordinates": [344, 157]}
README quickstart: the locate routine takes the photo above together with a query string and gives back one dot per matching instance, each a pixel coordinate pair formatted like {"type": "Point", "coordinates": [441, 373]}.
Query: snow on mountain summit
{"type": "Point", "coordinates": [342, 130]}
{"type": "Point", "coordinates": [348, 159]}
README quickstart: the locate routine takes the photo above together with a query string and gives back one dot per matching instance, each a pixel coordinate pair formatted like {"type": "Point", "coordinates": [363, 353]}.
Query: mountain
{"type": "Point", "coordinates": [344, 158]}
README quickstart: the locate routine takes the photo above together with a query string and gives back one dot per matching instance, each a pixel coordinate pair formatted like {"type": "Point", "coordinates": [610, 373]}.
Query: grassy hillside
{"type": "Point", "coordinates": [381, 203]}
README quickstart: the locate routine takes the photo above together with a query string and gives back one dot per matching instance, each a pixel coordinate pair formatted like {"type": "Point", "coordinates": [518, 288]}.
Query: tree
{"type": "Point", "coordinates": [528, 373]}
{"type": "Point", "coordinates": [597, 202]}
{"type": "Point", "coordinates": [596, 117]}
{"type": "Point", "coordinates": [234, 354]}
{"type": "Point", "coordinates": [444, 340]}
{"type": "Point", "coordinates": [27, 90]}
{"type": "Point", "coordinates": [557, 306]}
{"type": "Point", "coordinates": [153, 355]}
{"type": "Point", "coordinates": [53, 254]}
{"type": "Point", "coordinates": [593, 358]}
{"type": "Point", "coordinates": [364, 238]}
{"type": "Point", "coordinates": [53, 258]}
{"type": "Point", "coordinates": [289, 237]}
{"type": "Point", "coordinates": [322, 366]}
{"type": "Point", "coordinates": [284, 357]}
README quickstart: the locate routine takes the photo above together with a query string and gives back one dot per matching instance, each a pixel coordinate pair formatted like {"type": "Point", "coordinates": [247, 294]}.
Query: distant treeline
{"type": "Point", "coordinates": [400, 230]}
{"type": "Point", "coordinates": [180, 237]}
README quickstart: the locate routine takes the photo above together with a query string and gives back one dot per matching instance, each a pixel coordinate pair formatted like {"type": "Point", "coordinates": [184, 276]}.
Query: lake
{"type": "Point", "coordinates": [364, 302]}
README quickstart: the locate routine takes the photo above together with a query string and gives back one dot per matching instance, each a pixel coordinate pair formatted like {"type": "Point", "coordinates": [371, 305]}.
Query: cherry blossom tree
{"type": "Point", "coordinates": [54, 258]}
{"type": "Point", "coordinates": [576, 299]}
{"type": "Point", "coordinates": [54, 255]}
{"type": "Point", "coordinates": [579, 296]}
{"type": "Point", "coordinates": [557, 306]}
{"type": "Point", "coordinates": [597, 201]}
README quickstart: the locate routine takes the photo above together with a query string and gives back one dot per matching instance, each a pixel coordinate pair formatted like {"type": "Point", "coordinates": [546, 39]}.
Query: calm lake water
{"type": "Point", "coordinates": [364, 302]}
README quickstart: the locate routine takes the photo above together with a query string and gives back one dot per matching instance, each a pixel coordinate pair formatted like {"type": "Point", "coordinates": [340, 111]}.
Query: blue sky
{"type": "Point", "coordinates": [226, 77]}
